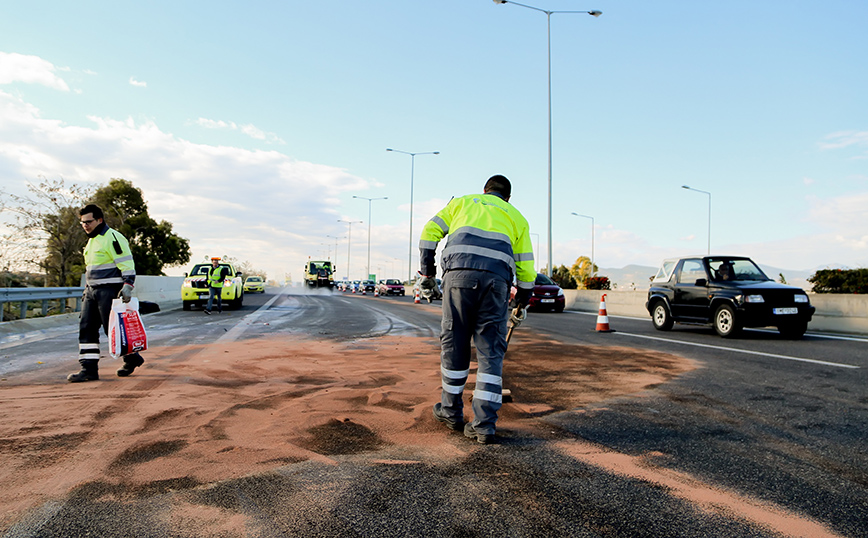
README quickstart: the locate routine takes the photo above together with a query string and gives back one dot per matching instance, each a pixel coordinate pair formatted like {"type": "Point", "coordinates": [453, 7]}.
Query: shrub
{"type": "Point", "coordinates": [597, 283]}
{"type": "Point", "coordinates": [840, 281]}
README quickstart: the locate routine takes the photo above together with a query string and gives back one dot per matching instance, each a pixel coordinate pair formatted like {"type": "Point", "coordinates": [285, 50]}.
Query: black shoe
{"type": "Point", "coordinates": [208, 312]}
{"type": "Point", "coordinates": [220, 310]}
{"type": "Point", "coordinates": [451, 423]}
{"type": "Point", "coordinates": [481, 438]}
{"type": "Point", "coordinates": [131, 362]}
{"type": "Point", "coordinates": [83, 375]}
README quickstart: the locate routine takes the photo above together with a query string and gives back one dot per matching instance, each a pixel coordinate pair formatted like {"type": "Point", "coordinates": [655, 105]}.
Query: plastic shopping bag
{"type": "Point", "coordinates": [126, 330]}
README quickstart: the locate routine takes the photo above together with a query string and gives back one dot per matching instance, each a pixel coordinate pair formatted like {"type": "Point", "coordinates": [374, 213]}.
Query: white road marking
{"type": "Point", "coordinates": [771, 331]}
{"type": "Point", "coordinates": [239, 328]}
{"type": "Point", "coordinates": [745, 351]}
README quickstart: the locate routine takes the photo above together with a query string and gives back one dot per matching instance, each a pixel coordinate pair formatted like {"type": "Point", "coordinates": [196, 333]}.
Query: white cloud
{"type": "Point", "coordinates": [261, 206]}
{"type": "Point", "coordinates": [139, 84]}
{"type": "Point", "coordinates": [30, 69]}
{"type": "Point", "coordinates": [808, 181]}
{"type": "Point", "coordinates": [846, 139]}
{"type": "Point", "coordinates": [249, 129]}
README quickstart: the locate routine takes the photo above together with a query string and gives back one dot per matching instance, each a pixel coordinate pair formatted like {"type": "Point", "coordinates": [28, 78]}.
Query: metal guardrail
{"type": "Point", "coordinates": [22, 296]}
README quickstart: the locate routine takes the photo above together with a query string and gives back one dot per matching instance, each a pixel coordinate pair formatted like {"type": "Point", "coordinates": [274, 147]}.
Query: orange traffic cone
{"type": "Point", "coordinates": [364, 290]}
{"type": "Point", "coordinates": [416, 298]}
{"type": "Point", "coordinates": [603, 317]}
{"type": "Point", "coordinates": [354, 289]}
{"type": "Point", "coordinates": [376, 292]}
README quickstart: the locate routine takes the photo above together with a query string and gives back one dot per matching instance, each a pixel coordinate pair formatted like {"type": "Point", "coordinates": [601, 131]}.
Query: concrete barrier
{"type": "Point", "coordinates": [163, 290]}
{"type": "Point", "coordinates": [835, 313]}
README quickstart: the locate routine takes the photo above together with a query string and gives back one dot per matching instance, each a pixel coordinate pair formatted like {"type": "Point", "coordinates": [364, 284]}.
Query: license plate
{"type": "Point", "coordinates": [547, 300]}
{"type": "Point", "coordinates": [203, 295]}
{"type": "Point", "coordinates": [788, 310]}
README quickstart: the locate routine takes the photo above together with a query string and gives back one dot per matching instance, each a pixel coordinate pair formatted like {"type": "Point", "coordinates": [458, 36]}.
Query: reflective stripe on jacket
{"type": "Point", "coordinates": [485, 233]}
{"type": "Point", "coordinates": [108, 259]}
{"type": "Point", "coordinates": [216, 276]}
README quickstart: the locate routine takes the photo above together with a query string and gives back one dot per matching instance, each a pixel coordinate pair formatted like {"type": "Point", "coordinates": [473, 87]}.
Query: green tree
{"type": "Point", "coordinates": [582, 269]}
{"type": "Point", "coordinates": [152, 243]}
{"type": "Point", "coordinates": [562, 277]}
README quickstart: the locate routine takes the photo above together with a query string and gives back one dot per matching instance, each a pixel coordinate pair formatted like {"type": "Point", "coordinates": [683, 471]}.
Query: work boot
{"type": "Point", "coordinates": [89, 371]}
{"type": "Point", "coordinates": [451, 423]}
{"type": "Point", "coordinates": [481, 438]}
{"type": "Point", "coordinates": [131, 362]}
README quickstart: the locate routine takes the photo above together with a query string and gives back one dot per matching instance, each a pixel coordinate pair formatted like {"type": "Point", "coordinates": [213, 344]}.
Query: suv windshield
{"type": "Point", "coordinates": [727, 269]}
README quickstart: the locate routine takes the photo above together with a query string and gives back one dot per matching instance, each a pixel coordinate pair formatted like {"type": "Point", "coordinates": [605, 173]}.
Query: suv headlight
{"type": "Point", "coordinates": [187, 284]}
{"type": "Point", "coordinates": [801, 298]}
{"type": "Point", "coordinates": [560, 293]}
{"type": "Point", "coordinates": [754, 299]}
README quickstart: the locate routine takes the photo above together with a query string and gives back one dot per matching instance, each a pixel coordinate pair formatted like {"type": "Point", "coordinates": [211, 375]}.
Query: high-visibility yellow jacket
{"type": "Point", "coordinates": [485, 233]}
{"type": "Point", "coordinates": [216, 275]}
{"type": "Point", "coordinates": [108, 259]}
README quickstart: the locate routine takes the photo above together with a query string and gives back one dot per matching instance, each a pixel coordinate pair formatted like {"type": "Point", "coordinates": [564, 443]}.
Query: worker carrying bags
{"type": "Point", "coordinates": [126, 331]}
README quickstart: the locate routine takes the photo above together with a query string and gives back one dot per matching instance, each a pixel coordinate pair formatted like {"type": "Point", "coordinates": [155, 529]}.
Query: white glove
{"type": "Point", "coordinates": [427, 283]}
{"type": "Point", "coordinates": [517, 316]}
{"type": "Point", "coordinates": [126, 293]}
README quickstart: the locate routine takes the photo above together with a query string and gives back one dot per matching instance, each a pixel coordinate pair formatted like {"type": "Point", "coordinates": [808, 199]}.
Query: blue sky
{"type": "Point", "coordinates": [252, 127]}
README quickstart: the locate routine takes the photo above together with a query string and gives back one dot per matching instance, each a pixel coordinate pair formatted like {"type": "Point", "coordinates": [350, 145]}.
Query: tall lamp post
{"type": "Point", "coordinates": [594, 13]}
{"type": "Point", "coordinates": [412, 169]}
{"type": "Point", "coordinates": [370, 201]}
{"type": "Point", "coordinates": [593, 267]}
{"type": "Point", "coordinates": [709, 213]}
{"type": "Point", "coordinates": [336, 249]}
{"type": "Point", "coordinates": [349, 240]}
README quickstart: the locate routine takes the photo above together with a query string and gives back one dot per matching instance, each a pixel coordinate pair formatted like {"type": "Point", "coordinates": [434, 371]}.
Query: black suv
{"type": "Point", "coordinates": [729, 292]}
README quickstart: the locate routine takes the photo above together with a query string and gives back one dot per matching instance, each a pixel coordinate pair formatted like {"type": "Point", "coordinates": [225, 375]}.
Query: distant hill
{"type": "Point", "coordinates": [629, 277]}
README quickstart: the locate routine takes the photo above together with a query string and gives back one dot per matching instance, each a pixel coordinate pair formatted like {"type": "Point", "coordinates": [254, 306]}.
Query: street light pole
{"type": "Point", "coordinates": [593, 266]}
{"type": "Point", "coordinates": [349, 240]}
{"type": "Point", "coordinates": [336, 249]}
{"type": "Point", "coordinates": [709, 213]}
{"type": "Point", "coordinates": [370, 201]}
{"type": "Point", "coordinates": [593, 13]}
{"type": "Point", "coordinates": [412, 169]}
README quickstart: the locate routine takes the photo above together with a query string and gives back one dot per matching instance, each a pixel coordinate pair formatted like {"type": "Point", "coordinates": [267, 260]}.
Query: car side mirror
{"type": "Point", "coordinates": [701, 282]}
{"type": "Point", "coordinates": [185, 275]}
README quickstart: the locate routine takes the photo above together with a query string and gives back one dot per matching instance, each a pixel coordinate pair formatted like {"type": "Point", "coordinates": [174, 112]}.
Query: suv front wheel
{"type": "Point", "coordinates": [660, 317]}
{"type": "Point", "coordinates": [725, 322]}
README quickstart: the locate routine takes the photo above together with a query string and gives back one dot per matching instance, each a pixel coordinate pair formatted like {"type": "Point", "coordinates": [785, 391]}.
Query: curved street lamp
{"type": "Point", "coordinates": [412, 168]}
{"type": "Point", "coordinates": [349, 240]}
{"type": "Point", "coordinates": [709, 213]}
{"type": "Point", "coordinates": [370, 201]}
{"type": "Point", "coordinates": [593, 13]}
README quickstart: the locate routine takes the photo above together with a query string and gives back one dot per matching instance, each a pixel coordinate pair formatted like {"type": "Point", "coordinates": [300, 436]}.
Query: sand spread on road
{"type": "Point", "coordinates": [194, 416]}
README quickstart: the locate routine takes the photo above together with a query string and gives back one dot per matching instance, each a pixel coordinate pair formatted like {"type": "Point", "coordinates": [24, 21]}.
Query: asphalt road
{"type": "Point", "coordinates": [781, 421]}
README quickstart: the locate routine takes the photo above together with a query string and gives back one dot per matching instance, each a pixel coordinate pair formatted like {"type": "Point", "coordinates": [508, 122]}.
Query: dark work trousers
{"type": "Point", "coordinates": [215, 292]}
{"type": "Point", "coordinates": [96, 309]}
{"type": "Point", "coordinates": [475, 306]}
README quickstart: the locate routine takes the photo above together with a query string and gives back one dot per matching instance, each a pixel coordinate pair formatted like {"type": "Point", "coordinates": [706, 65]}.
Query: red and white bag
{"type": "Point", "coordinates": [126, 330]}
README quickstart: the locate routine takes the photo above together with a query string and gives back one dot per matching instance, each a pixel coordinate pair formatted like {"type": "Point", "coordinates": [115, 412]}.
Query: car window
{"type": "Point", "coordinates": [691, 270]}
{"type": "Point", "coordinates": [543, 280]}
{"type": "Point", "coordinates": [730, 269]}
{"type": "Point", "coordinates": [665, 271]}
